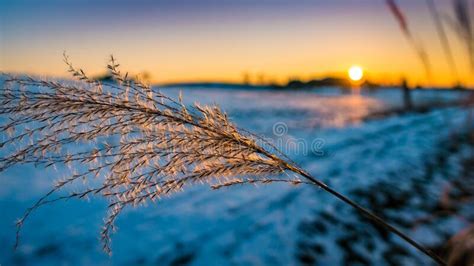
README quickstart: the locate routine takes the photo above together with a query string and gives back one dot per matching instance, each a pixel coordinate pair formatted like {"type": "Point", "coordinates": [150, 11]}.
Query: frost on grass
{"type": "Point", "coordinates": [126, 141]}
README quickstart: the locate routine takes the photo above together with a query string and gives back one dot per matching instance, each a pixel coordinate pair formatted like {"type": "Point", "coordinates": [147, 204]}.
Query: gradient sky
{"type": "Point", "coordinates": [219, 40]}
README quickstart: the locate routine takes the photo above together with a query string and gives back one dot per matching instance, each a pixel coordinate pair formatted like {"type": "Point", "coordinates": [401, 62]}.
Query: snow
{"type": "Point", "coordinates": [262, 225]}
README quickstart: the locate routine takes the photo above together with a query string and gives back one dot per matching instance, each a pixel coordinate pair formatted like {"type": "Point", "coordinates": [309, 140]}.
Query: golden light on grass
{"type": "Point", "coordinates": [355, 73]}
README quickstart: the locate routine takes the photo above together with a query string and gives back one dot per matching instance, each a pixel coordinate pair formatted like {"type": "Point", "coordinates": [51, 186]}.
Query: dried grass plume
{"type": "Point", "coordinates": [137, 143]}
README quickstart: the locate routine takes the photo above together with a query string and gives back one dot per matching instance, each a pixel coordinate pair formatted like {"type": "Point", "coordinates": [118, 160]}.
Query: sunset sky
{"type": "Point", "coordinates": [179, 41]}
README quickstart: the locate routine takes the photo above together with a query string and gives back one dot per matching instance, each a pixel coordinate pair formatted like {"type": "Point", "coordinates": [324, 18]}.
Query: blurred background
{"type": "Point", "coordinates": [377, 92]}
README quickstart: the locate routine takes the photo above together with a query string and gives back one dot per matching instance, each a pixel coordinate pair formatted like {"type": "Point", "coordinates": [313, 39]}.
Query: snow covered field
{"type": "Point", "coordinates": [266, 225]}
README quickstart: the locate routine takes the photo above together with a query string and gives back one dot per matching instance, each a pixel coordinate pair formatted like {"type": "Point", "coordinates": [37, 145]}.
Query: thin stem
{"type": "Point", "coordinates": [443, 38]}
{"type": "Point", "coordinates": [370, 215]}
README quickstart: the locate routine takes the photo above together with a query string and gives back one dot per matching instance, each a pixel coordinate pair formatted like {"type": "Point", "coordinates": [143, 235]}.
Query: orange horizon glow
{"type": "Point", "coordinates": [211, 72]}
{"type": "Point", "coordinates": [442, 80]}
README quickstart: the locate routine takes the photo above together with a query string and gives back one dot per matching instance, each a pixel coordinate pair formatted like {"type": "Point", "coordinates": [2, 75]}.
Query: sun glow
{"type": "Point", "coordinates": [356, 73]}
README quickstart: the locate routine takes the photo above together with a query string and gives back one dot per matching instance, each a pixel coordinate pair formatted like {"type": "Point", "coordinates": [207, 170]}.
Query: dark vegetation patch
{"type": "Point", "coordinates": [409, 206]}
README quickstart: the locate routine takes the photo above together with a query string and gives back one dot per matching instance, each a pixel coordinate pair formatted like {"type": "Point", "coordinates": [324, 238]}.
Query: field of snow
{"type": "Point", "coordinates": [390, 165]}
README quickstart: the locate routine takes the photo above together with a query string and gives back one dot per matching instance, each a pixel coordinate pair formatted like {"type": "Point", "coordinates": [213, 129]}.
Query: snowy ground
{"type": "Point", "coordinates": [384, 163]}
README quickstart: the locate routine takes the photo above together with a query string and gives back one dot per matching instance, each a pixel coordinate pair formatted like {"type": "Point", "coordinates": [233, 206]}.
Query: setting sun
{"type": "Point", "coordinates": [356, 73]}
